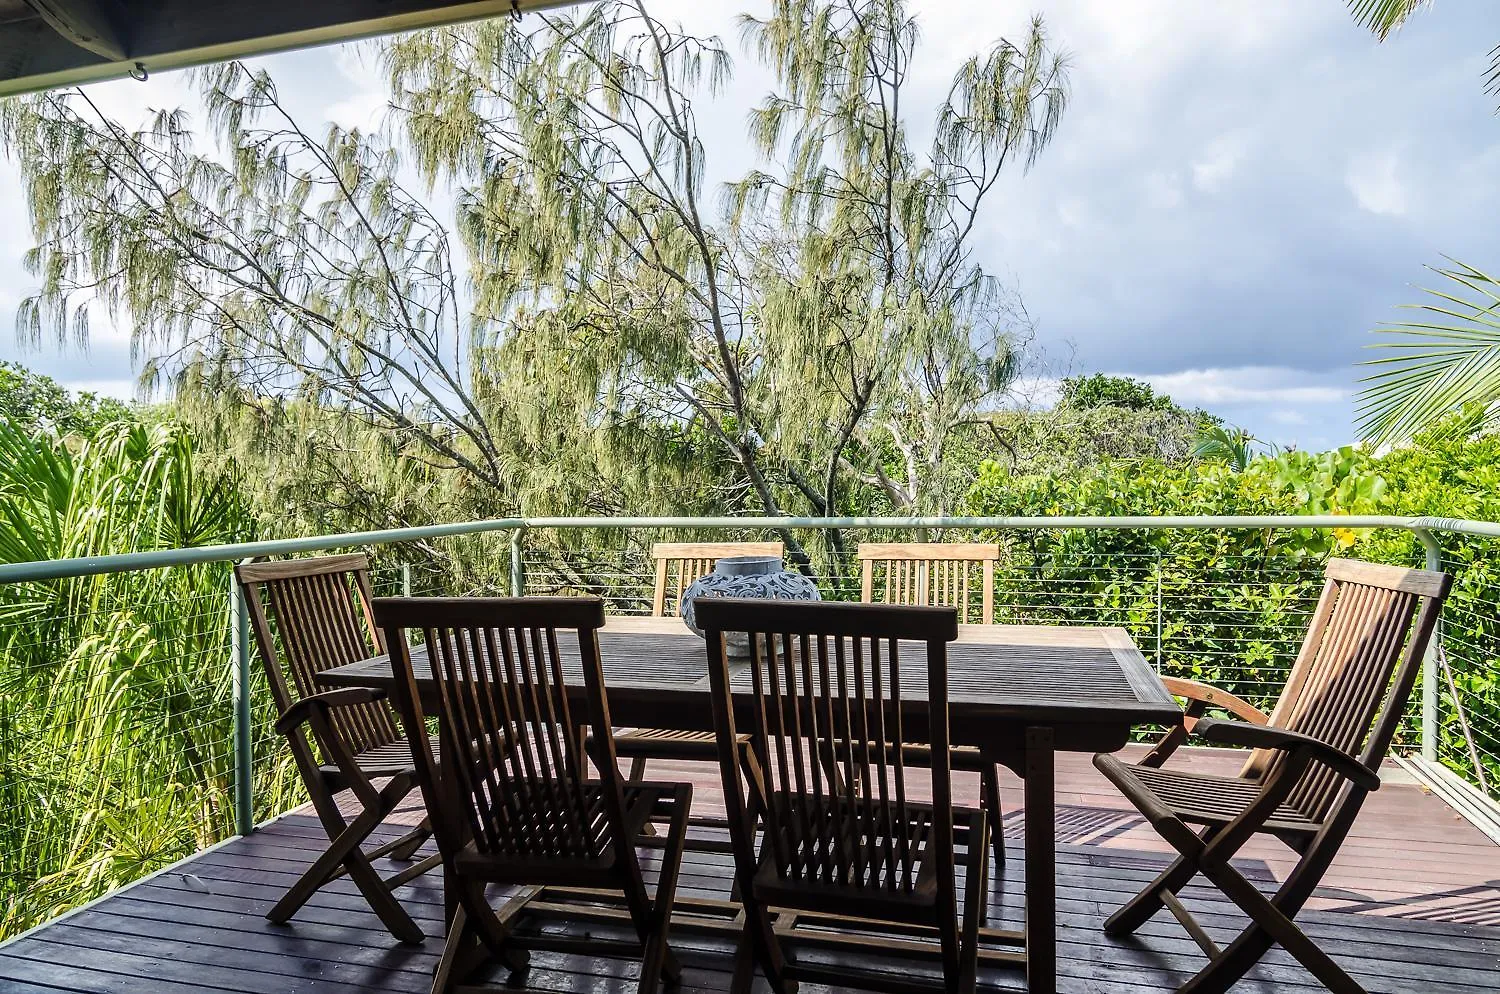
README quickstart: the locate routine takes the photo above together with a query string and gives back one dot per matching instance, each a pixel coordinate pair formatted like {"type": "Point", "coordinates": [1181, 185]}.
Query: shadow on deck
{"type": "Point", "coordinates": [1411, 905]}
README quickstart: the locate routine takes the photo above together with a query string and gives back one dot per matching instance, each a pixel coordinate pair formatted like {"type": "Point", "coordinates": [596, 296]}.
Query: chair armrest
{"type": "Point", "coordinates": [1214, 697]}
{"type": "Point", "coordinates": [325, 701]}
{"type": "Point", "coordinates": [1265, 737]}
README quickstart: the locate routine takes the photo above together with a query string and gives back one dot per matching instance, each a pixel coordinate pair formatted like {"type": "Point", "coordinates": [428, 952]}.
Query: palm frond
{"type": "Point", "coordinates": [1233, 446]}
{"type": "Point", "coordinates": [1443, 361]}
{"type": "Point", "coordinates": [1384, 16]}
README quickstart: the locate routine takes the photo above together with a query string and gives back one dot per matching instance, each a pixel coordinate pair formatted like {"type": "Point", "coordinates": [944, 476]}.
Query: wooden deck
{"type": "Point", "coordinates": [1412, 905]}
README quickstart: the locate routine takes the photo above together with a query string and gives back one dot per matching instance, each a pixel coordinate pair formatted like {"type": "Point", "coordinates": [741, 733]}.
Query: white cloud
{"type": "Point", "coordinates": [1376, 185]}
{"type": "Point", "coordinates": [1285, 393]}
{"type": "Point", "coordinates": [1072, 212]}
{"type": "Point", "coordinates": [366, 107]}
{"type": "Point", "coordinates": [1218, 162]}
{"type": "Point", "coordinates": [133, 102]}
{"type": "Point", "coordinates": [1259, 385]}
{"type": "Point", "coordinates": [1163, 190]}
{"type": "Point", "coordinates": [118, 389]}
{"type": "Point", "coordinates": [1036, 391]}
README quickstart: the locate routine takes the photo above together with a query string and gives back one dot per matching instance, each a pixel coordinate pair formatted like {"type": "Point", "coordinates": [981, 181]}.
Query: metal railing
{"type": "Point", "coordinates": [1231, 611]}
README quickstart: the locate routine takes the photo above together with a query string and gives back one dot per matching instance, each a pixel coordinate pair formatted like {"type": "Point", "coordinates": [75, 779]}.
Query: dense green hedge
{"type": "Point", "coordinates": [1233, 604]}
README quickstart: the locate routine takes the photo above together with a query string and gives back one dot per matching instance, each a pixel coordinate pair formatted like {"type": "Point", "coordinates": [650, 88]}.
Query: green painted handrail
{"type": "Point", "coordinates": [55, 569]}
{"type": "Point", "coordinates": [129, 562]}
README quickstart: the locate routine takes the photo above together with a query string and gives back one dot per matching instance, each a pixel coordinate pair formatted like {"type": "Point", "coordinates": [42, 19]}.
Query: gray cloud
{"type": "Point", "coordinates": [1227, 194]}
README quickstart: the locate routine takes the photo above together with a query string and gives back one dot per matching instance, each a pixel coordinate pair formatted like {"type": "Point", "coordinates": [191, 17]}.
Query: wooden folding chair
{"type": "Point", "coordinates": [512, 802]}
{"type": "Point", "coordinates": [1314, 760]}
{"type": "Point", "coordinates": [956, 574]}
{"type": "Point", "coordinates": [960, 575]}
{"type": "Point", "coordinates": [678, 564]}
{"type": "Point", "coordinates": [850, 859]}
{"type": "Point", "coordinates": [317, 611]}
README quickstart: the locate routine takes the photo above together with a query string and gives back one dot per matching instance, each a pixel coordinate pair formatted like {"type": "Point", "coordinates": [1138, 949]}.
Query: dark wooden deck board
{"type": "Point", "coordinates": [1411, 905]}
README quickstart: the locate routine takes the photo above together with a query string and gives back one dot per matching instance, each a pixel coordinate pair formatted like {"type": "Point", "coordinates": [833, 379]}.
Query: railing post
{"type": "Point", "coordinates": [406, 579]}
{"type": "Point", "coordinates": [1430, 661]}
{"type": "Point", "coordinates": [244, 758]}
{"type": "Point", "coordinates": [517, 563]}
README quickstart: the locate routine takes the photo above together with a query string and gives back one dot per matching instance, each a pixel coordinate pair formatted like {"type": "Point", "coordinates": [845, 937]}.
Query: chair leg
{"type": "Point", "coordinates": [345, 855]}
{"type": "Point", "coordinates": [456, 962]}
{"type": "Point", "coordinates": [759, 946]}
{"type": "Point", "coordinates": [382, 901]}
{"type": "Point", "coordinates": [1271, 923]}
{"type": "Point", "coordinates": [408, 845]}
{"type": "Point", "coordinates": [996, 815]}
{"type": "Point", "coordinates": [743, 981]}
{"type": "Point", "coordinates": [453, 946]}
{"type": "Point", "coordinates": [1148, 902]}
{"type": "Point", "coordinates": [654, 921]}
{"type": "Point", "coordinates": [638, 775]}
{"type": "Point", "coordinates": [342, 844]}
{"type": "Point", "coordinates": [976, 903]}
{"type": "Point", "coordinates": [489, 928]}
{"type": "Point", "coordinates": [657, 959]}
{"type": "Point", "coordinates": [1232, 963]}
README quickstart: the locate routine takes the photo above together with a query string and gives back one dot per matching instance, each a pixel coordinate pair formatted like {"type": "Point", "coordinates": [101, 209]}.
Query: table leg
{"type": "Point", "coordinates": [1041, 864]}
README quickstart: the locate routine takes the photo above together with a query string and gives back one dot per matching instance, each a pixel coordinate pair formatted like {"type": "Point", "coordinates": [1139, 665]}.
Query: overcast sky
{"type": "Point", "coordinates": [1239, 192]}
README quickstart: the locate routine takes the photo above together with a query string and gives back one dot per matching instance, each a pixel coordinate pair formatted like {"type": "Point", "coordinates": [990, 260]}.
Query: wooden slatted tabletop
{"type": "Point", "coordinates": [1064, 677]}
{"type": "Point", "coordinates": [1019, 693]}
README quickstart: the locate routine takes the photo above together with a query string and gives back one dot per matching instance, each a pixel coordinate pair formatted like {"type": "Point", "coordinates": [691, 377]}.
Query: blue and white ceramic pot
{"type": "Point", "coordinates": [747, 576]}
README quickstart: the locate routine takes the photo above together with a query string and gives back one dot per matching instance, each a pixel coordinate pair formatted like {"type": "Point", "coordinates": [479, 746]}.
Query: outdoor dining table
{"type": "Point", "coordinates": [1018, 693]}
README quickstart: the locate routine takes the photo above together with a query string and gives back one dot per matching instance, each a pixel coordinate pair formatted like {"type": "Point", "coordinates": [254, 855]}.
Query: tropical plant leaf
{"type": "Point", "coordinates": [1384, 16]}
{"type": "Point", "coordinates": [1231, 446]}
{"type": "Point", "coordinates": [1443, 361]}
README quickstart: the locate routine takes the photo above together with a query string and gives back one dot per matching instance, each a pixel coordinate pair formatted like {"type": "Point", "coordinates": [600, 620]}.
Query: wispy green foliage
{"type": "Point", "coordinates": [255, 259]}
{"type": "Point", "coordinates": [624, 342]}
{"type": "Point", "coordinates": [868, 295]}
{"type": "Point", "coordinates": [797, 350]}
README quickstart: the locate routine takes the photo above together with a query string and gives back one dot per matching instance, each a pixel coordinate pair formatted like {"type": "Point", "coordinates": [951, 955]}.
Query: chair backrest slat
{"type": "Point", "coordinates": [1355, 672]}
{"type": "Point", "coordinates": [517, 781]}
{"type": "Point", "coordinates": [827, 727]}
{"type": "Point", "coordinates": [310, 615]}
{"type": "Point", "coordinates": [678, 564]}
{"type": "Point", "coordinates": [932, 573]}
